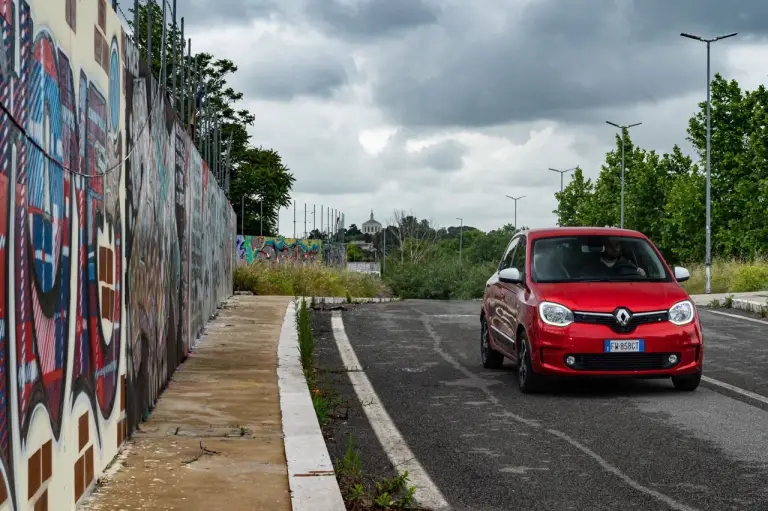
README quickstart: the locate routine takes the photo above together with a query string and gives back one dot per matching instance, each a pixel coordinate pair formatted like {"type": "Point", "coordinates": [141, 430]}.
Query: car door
{"type": "Point", "coordinates": [513, 295]}
{"type": "Point", "coordinates": [500, 320]}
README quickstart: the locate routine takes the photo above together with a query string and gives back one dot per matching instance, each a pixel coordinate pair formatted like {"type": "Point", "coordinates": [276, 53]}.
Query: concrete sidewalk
{"type": "Point", "coordinates": [215, 439]}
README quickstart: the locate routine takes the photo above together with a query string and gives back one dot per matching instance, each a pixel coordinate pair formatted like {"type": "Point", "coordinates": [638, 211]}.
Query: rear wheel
{"type": "Point", "coordinates": [687, 383]}
{"type": "Point", "coordinates": [528, 380]}
{"type": "Point", "coordinates": [491, 358]}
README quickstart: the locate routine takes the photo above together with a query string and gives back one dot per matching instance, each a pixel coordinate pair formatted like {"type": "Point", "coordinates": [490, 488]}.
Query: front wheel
{"type": "Point", "coordinates": [491, 358]}
{"type": "Point", "coordinates": [527, 379]}
{"type": "Point", "coordinates": [687, 383]}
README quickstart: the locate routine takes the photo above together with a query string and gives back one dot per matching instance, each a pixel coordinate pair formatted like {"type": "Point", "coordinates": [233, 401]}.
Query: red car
{"type": "Point", "coordinates": [596, 301]}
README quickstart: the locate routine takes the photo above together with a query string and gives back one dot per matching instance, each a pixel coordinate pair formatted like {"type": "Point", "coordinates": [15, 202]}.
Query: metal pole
{"type": "Point", "coordinates": [163, 49]}
{"type": "Point", "coordinates": [623, 144]}
{"type": "Point", "coordinates": [461, 232]}
{"type": "Point", "coordinates": [561, 172]}
{"type": "Point", "coordinates": [193, 96]}
{"type": "Point", "coordinates": [261, 217]}
{"type": "Point", "coordinates": [515, 199]}
{"type": "Point", "coordinates": [708, 256]}
{"type": "Point", "coordinates": [321, 218]}
{"type": "Point", "coordinates": [173, 55]}
{"type": "Point", "coordinates": [150, 4]}
{"type": "Point", "coordinates": [242, 215]}
{"type": "Point", "coordinates": [384, 257]}
{"type": "Point", "coordinates": [624, 130]}
{"type": "Point", "coordinates": [305, 220]}
{"type": "Point", "coordinates": [183, 85]}
{"type": "Point", "coordinates": [294, 219]}
{"type": "Point", "coordinates": [136, 24]}
{"type": "Point", "coordinates": [114, 5]}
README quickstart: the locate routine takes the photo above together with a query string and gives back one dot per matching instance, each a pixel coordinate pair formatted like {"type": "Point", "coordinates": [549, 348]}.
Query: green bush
{"type": "Point", "coordinates": [439, 279]}
{"type": "Point", "coordinates": [729, 276]}
{"type": "Point", "coordinates": [296, 279]}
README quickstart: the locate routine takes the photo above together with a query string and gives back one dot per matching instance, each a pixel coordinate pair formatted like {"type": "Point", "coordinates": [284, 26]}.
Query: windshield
{"type": "Point", "coordinates": [596, 259]}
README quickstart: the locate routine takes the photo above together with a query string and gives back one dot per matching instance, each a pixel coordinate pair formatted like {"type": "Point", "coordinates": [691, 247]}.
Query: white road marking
{"type": "Point", "coordinates": [745, 318]}
{"type": "Point", "coordinates": [427, 493]}
{"type": "Point", "coordinates": [673, 504]}
{"type": "Point", "coordinates": [737, 390]}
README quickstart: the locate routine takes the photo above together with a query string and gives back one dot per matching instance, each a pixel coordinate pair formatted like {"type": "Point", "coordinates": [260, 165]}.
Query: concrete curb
{"type": "Point", "coordinates": [311, 476]}
{"type": "Point", "coordinates": [748, 305]}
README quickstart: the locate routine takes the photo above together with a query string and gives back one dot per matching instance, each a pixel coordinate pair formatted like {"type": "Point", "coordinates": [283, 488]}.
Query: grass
{"type": "Point", "coordinates": [364, 493]}
{"type": "Point", "coordinates": [729, 276]}
{"type": "Point", "coordinates": [296, 279]}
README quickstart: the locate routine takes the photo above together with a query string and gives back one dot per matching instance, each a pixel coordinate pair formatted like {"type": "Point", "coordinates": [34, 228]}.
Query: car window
{"type": "Point", "coordinates": [518, 259]}
{"type": "Point", "coordinates": [506, 261]}
{"type": "Point", "coordinates": [596, 258]}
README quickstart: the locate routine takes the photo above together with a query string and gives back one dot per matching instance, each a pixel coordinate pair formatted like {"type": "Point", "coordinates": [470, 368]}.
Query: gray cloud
{"type": "Point", "coordinates": [445, 156]}
{"type": "Point", "coordinates": [370, 18]}
{"type": "Point", "coordinates": [300, 75]}
{"type": "Point", "coordinates": [231, 12]}
{"type": "Point", "coordinates": [547, 61]}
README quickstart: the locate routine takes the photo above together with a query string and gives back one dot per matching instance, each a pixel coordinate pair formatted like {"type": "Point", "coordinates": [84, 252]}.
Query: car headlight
{"type": "Point", "coordinates": [555, 314]}
{"type": "Point", "coordinates": [682, 313]}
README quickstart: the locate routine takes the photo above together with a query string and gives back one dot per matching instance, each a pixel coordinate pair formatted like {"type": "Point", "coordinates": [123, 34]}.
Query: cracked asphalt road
{"type": "Point", "coordinates": [597, 445]}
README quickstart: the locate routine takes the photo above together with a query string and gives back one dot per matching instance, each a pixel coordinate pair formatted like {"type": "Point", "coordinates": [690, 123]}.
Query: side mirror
{"type": "Point", "coordinates": [510, 276]}
{"type": "Point", "coordinates": [681, 274]}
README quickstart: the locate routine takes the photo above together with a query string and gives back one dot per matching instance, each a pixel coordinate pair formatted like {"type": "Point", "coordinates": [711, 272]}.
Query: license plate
{"type": "Point", "coordinates": [627, 346]}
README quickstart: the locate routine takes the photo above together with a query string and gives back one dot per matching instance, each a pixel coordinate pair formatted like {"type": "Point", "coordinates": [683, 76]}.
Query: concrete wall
{"type": "Point", "coordinates": [115, 247]}
{"type": "Point", "coordinates": [365, 267]}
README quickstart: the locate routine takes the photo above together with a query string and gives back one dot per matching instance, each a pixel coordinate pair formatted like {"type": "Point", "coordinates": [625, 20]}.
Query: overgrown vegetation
{"type": "Point", "coordinates": [729, 277]}
{"type": "Point", "coordinates": [298, 279]}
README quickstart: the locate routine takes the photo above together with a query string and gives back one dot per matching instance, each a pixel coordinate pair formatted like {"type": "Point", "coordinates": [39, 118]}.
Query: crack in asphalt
{"type": "Point", "coordinates": [535, 424]}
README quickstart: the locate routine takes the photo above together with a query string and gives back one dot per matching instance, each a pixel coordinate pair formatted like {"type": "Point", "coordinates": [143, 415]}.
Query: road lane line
{"type": "Point", "coordinates": [754, 320]}
{"type": "Point", "coordinates": [737, 390]}
{"type": "Point", "coordinates": [427, 494]}
{"type": "Point", "coordinates": [604, 464]}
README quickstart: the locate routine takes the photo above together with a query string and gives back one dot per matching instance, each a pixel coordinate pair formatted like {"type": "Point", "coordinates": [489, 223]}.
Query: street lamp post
{"type": "Point", "coordinates": [461, 236]}
{"type": "Point", "coordinates": [623, 132]}
{"type": "Point", "coordinates": [561, 175]}
{"type": "Point", "coordinates": [708, 228]}
{"type": "Point", "coordinates": [515, 199]}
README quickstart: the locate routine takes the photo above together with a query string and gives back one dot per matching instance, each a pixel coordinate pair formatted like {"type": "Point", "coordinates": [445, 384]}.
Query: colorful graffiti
{"type": "Point", "coordinates": [277, 250]}
{"type": "Point", "coordinates": [115, 247]}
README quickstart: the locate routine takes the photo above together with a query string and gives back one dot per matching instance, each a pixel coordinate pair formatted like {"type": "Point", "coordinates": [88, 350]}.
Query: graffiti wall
{"type": "Point", "coordinates": [276, 250]}
{"type": "Point", "coordinates": [115, 247]}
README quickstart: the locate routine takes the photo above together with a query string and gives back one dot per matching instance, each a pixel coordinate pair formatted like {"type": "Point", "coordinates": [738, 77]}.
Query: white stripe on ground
{"type": "Point", "coordinates": [427, 493]}
{"type": "Point", "coordinates": [669, 501]}
{"type": "Point", "coordinates": [737, 316]}
{"type": "Point", "coordinates": [733, 388]}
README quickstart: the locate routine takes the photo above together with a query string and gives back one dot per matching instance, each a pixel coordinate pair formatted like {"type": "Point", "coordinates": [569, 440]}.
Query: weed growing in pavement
{"type": "Point", "coordinates": [306, 340]}
{"type": "Point", "coordinates": [728, 303]}
{"type": "Point", "coordinates": [714, 303]}
{"type": "Point", "coordinates": [361, 493]}
{"type": "Point", "coordinates": [348, 297]}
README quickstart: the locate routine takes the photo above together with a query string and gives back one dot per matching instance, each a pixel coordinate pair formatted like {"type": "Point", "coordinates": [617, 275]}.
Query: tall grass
{"type": "Point", "coordinates": [296, 279]}
{"type": "Point", "coordinates": [729, 276]}
{"type": "Point", "coordinates": [440, 279]}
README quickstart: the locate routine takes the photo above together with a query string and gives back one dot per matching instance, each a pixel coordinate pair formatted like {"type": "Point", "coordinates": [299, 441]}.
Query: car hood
{"type": "Point", "coordinates": [606, 296]}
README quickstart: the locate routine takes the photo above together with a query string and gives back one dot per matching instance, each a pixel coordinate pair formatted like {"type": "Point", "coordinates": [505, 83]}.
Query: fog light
{"type": "Point", "coordinates": [570, 360]}
{"type": "Point", "coordinates": [673, 359]}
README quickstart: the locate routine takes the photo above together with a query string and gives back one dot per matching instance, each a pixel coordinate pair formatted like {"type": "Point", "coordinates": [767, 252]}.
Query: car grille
{"type": "Point", "coordinates": [623, 361]}
{"type": "Point", "coordinates": [610, 321]}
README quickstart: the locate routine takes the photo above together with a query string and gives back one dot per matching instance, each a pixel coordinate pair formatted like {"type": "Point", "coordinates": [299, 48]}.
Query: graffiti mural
{"type": "Point", "coordinates": [116, 246]}
{"type": "Point", "coordinates": [276, 250]}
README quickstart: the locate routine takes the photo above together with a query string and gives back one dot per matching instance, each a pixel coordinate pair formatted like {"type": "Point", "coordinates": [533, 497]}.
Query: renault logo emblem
{"type": "Point", "coordinates": [622, 317]}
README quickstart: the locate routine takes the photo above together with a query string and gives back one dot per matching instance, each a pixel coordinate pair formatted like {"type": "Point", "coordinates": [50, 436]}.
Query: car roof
{"type": "Point", "coordinates": [549, 232]}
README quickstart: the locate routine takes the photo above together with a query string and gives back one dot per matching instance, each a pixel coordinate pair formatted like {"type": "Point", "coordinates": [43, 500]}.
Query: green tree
{"type": "Point", "coordinates": [574, 202]}
{"type": "Point", "coordinates": [259, 180]}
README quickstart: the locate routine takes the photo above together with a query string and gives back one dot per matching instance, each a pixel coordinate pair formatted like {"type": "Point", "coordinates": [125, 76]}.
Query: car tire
{"type": "Point", "coordinates": [527, 379]}
{"type": "Point", "coordinates": [491, 358]}
{"type": "Point", "coordinates": [687, 383]}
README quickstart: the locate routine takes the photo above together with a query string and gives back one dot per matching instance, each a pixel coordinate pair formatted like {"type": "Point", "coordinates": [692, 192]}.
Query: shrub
{"type": "Point", "coordinates": [296, 279]}
{"type": "Point", "coordinates": [729, 276]}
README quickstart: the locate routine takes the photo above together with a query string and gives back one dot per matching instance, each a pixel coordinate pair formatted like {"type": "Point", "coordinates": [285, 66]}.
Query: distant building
{"type": "Point", "coordinates": [371, 226]}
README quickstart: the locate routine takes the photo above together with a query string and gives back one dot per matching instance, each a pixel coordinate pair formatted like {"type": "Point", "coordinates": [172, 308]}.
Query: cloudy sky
{"type": "Point", "coordinates": [442, 107]}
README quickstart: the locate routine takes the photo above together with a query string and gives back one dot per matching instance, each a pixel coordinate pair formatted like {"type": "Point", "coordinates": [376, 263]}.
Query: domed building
{"type": "Point", "coordinates": [371, 226]}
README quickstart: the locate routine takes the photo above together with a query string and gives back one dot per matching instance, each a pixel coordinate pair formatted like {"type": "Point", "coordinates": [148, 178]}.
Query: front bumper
{"type": "Point", "coordinates": [553, 346]}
